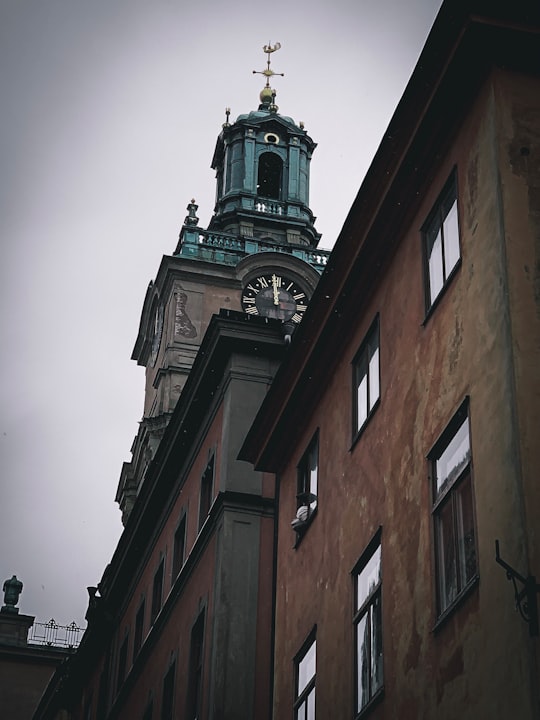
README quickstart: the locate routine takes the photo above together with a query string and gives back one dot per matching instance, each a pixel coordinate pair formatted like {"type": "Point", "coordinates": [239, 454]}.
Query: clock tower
{"type": "Point", "coordinates": [258, 256]}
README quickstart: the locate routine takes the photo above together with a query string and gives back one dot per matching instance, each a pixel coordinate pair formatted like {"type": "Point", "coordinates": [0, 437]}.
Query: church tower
{"type": "Point", "coordinates": [258, 255]}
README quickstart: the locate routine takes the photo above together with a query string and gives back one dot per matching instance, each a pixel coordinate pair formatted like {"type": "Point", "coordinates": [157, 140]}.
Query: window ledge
{"type": "Point", "coordinates": [458, 601]}
{"type": "Point", "coordinates": [303, 529]}
{"type": "Point", "coordinates": [375, 700]}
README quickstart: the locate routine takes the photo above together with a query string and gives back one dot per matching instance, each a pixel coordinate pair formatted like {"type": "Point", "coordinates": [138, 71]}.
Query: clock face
{"type": "Point", "coordinates": [274, 295]}
{"type": "Point", "coordinates": [158, 329]}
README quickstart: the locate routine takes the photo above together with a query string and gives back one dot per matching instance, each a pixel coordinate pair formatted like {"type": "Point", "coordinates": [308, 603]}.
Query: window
{"type": "Point", "coordinates": [87, 709]}
{"type": "Point", "coordinates": [103, 692]}
{"type": "Point", "coordinates": [196, 661]}
{"type": "Point", "coordinates": [157, 592]}
{"type": "Point", "coordinates": [122, 663]}
{"type": "Point", "coordinates": [139, 629]}
{"type": "Point", "coordinates": [307, 476]}
{"type": "Point", "coordinates": [269, 176]}
{"type": "Point", "coordinates": [366, 377]}
{"type": "Point", "coordinates": [149, 709]}
{"type": "Point", "coordinates": [179, 548]}
{"type": "Point", "coordinates": [441, 241]}
{"type": "Point", "coordinates": [367, 622]}
{"type": "Point", "coordinates": [167, 704]}
{"type": "Point", "coordinates": [207, 490]}
{"type": "Point", "coordinates": [305, 668]}
{"type": "Point", "coordinates": [453, 513]}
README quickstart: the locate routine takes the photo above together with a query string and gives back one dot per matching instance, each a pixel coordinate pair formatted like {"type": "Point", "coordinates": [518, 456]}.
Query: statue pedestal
{"type": "Point", "coordinates": [14, 628]}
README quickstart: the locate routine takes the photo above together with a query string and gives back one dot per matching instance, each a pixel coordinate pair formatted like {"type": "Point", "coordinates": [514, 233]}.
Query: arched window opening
{"type": "Point", "coordinates": [269, 176]}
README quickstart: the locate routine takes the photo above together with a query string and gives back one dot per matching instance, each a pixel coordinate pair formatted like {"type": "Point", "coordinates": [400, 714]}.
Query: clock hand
{"type": "Point", "coordinates": [275, 288]}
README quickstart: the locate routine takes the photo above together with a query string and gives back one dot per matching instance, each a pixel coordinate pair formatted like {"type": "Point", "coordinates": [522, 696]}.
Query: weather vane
{"type": "Point", "coordinates": [268, 73]}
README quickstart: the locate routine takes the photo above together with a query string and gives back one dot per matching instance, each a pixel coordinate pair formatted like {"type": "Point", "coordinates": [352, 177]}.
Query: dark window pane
{"type": "Point", "coordinates": [148, 711]}
{"type": "Point", "coordinates": [196, 662]}
{"type": "Point", "coordinates": [139, 629]}
{"type": "Point", "coordinates": [465, 531]}
{"type": "Point", "coordinates": [157, 591]}
{"type": "Point", "coordinates": [207, 492]}
{"type": "Point", "coordinates": [122, 663]}
{"type": "Point", "coordinates": [374, 377]}
{"type": "Point", "coordinates": [269, 176]}
{"type": "Point", "coordinates": [363, 661]}
{"type": "Point", "coordinates": [446, 556]}
{"type": "Point", "coordinates": [87, 710]}
{"type": "Point", "coordinates": [179, 547]}
{"type": "Point", "coordinates": [376, 645]}
{"type": "Point", "coordinates": [167, 705]}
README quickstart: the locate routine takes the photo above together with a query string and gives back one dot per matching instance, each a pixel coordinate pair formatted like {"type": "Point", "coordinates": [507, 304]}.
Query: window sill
{"type": "Point", "coordinates": [375, 700]}
{"type": "Point", "coordinates": [366, 422]}
{"type": "Point", "coordinates": [442, 292]}
{"type": "Point", "coordinates": [303, 530]}
{"type": "Point", "coordinates": [457, 602]}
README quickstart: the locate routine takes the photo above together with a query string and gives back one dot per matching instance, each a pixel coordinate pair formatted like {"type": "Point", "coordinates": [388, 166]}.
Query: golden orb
{"type": "Point", "coordinates": [266, 95]}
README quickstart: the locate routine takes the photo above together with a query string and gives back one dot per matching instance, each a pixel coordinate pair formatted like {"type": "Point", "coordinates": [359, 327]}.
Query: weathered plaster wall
{"type": "Point", "coordinates": [477, 663]}
{"type": "Point", "coordinates": [23, 680]}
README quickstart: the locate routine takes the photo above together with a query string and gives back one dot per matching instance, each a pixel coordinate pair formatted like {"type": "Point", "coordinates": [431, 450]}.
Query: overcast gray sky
{"type": "Point", "coordinates": [110, 110]}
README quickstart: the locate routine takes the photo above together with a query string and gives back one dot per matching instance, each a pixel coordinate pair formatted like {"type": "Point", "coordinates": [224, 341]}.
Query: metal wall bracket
{"type": "Point", "coordinates": [526, 597]}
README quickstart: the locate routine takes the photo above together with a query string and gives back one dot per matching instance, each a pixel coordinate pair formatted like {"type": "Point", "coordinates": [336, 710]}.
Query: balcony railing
{"type": "Point", "coordinates": [230, 249]}
{"type": "Point", "coordinates": [270, 207]}
{"type": "Point", "coordinates": [52, 634]}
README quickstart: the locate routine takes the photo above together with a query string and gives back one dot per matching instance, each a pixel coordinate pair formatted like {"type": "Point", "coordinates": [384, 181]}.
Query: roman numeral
{"type": "Point", "coordinates": [262, 282]}
{"type": "Point", "coordinates": [253, 289]}
{"type": "Point", "coordinates": [300, 295]}
{"type": "Point", "coordinates": [252, 310]}
{"type": "Point", "coordinates": [300, 308]}
{"type": "Point", "coordinates": [249, 300]}
{"type": "Point", "coordinates": [296, 318]}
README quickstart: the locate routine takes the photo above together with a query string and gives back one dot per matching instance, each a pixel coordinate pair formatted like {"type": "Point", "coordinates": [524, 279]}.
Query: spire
{"type": "Point", "coordinates": [268, 95]}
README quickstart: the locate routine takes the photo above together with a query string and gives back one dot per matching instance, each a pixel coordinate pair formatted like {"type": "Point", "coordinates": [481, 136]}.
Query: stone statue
{"type": "Point", "coordinates": [12, 589]}
{"type": "Point", "coordinates": [182, 323]}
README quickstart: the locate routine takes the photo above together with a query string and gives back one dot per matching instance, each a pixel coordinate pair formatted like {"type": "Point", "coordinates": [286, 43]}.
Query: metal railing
{"type": "Point", "coordinates": [52, 634]}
